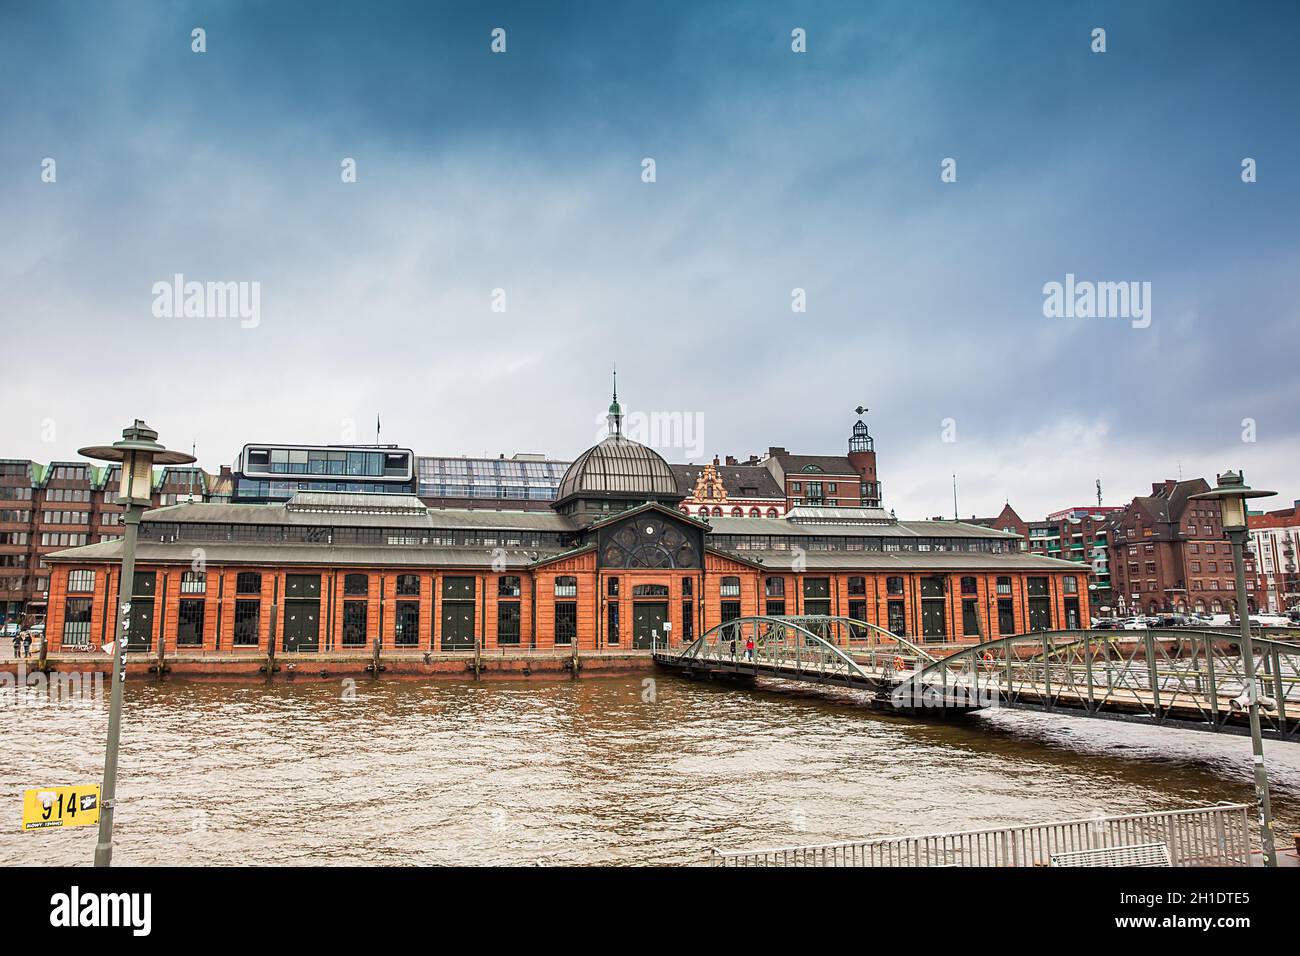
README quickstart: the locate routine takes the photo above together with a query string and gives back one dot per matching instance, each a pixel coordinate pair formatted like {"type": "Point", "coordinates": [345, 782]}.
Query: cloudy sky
{"type": "Point", "coordinates": [522, 171]}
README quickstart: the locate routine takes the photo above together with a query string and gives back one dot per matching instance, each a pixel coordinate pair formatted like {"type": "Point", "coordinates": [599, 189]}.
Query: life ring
{"type": "Point", "coordinates": [899, 663]}
{"type": "Point", "coordinates": [990, 663]}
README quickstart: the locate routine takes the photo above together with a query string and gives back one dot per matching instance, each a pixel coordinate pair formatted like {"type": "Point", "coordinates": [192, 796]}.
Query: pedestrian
{"type": "Point", "coordinates": [27, 644]}
{"type": "Point", "coordinates": [749, 648]}
{"type": "Point", "coordinates": [18, 642]}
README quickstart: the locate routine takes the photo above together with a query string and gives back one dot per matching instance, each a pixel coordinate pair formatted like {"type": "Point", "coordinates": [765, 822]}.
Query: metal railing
{"type": "Point", "coordinates": [1203, 836]}
{"type": "Point", "coordinates": [817, 647]}
{"type": "Point", "coordinates": [1178, 676]}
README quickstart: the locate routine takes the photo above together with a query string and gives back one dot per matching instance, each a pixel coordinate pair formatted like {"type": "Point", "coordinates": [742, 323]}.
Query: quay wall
{"type": "Point", "coordinates": [330, 666]}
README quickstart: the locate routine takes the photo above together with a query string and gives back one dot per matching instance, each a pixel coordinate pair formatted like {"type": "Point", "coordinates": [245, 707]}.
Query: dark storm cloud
{"type": "Point", "coordinates": [775, 171]}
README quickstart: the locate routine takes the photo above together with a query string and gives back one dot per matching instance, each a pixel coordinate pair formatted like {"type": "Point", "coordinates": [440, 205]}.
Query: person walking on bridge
{"type": "Point", "coordinates": [749, 648]}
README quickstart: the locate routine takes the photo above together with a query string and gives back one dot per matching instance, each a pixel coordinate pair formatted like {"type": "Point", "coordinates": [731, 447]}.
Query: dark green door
{"type": "Point", "coordinates": [140, 637]}
{"type": "Point", "coordinates": [302, 625]}
{"type": "Point", "coordinates": [457, 625]}
{"type": "Point", "coordinates": [648, 622]}
{"type": "Point", "coordinates": [1006, 618]}
{"type": "Point", "coordinates": [1072, 613]}
{"type": "Point", "coordinates": [933, 614]}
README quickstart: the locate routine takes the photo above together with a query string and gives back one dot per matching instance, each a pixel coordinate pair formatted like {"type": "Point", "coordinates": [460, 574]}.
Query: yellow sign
{"type": "Point", "coordinates": [60, 807]}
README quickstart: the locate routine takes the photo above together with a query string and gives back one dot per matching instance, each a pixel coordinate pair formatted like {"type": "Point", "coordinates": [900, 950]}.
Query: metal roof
{"type": "Point", "coordinates": [814, 514]}
{"type": "Point", "coordinates": [904, 561]}
{"type": "Point", "coordinates": [274, 555]}
{"type": "Point", "coordinates": [277, 513]}
{"type": "Point", "coordinates": [621, 467]}
{"type": "Point", "coordinates": [333, 502]}
{"type": "Point", "coordinates": [787, 527]}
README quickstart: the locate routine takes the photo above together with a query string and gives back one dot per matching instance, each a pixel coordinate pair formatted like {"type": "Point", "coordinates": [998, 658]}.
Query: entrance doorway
{"type": "Point", "coordinates": [648, 621]}
{"type": "Point", "coordinates": [1072, 614]}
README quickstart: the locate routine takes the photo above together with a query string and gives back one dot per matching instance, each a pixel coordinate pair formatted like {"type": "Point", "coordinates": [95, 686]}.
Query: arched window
{"type": "Point", "coordinates": [737, 513]}
{"type": "Point", "coordinates": [753, 512]}
{"type": "Point", "coordinates": [717, 512]}
{"type": "Point", "coordinates": [356, 585]}
{"type": "Point", "coordinates": [771, 512]}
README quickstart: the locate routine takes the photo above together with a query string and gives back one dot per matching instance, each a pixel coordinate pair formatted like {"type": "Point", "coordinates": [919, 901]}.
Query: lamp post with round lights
{"type": "Point", "coordinates": [1231, 494]}
{"type": "Point", "coordinates": [138, 451]}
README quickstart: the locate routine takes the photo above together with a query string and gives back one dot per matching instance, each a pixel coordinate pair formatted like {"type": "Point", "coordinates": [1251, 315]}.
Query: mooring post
{"type": "Point", "coordinates": [374, 657]}
{"type": "Point", "coordinates": [270, 645]}
{"type": "Point", "coordinates": [162, 656]}
{"type": "Point", "coordinates": [43, 654]}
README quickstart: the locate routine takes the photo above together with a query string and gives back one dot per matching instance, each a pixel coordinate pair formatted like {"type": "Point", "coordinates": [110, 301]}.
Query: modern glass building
{"type": "Point", "coordinates": [265, 472]}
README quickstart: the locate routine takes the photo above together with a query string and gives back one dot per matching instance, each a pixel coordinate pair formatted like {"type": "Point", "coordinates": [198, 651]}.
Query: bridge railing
{"type": "Point", "coordinates": [803, 648]}
{"type": "Point", "coordinates": [809, 644]}
{"type": "Point", "coordinates": [1184, 674]}
{"type": "Point", "coordinates": [1202, 836]}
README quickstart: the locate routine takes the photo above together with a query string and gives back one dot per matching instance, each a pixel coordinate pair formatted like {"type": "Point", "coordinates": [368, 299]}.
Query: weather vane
{"type": "Point", "coordinates": [861, 410]}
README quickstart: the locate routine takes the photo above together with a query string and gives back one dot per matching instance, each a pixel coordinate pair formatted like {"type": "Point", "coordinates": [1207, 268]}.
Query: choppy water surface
{"type": "Point", "coordinates": [582, 771]}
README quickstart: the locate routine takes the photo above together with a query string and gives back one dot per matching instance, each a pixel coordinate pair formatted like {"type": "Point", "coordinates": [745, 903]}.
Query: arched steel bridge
{"type": "Point", "coordinates": [1178, 677]}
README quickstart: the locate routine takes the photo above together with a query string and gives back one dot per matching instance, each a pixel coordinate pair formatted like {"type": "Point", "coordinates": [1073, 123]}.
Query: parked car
{"type": "Point", "coordinates": [10, 629]}
{"type": "Point", "coordinates": [1106, 624]}
{"type": "Point", "coordinates": [1270, 620]}
{"type": "Point", "coordinates": [1135, 624]}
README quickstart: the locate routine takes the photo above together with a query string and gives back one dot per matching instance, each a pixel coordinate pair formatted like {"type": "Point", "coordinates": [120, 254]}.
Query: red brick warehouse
{"type": "Point", "coordinates": [612, 564]}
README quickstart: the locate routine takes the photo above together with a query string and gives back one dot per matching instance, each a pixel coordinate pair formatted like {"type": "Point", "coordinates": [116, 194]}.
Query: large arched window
{"type": "Point", "coordinates": [737, 513]}
{"type": "Point", "coordinates": [717, 512]}
{"type": "Point", "coordinates": [771, 512]}
{"type": "Point", "coordinates": [754, 512]}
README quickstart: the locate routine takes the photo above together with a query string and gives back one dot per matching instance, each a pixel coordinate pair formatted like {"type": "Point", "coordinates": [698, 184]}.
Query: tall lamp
{"type": "Point", "coordinates": [138, 451]}
{"type": "Point", "coordinates": [1231, 494]}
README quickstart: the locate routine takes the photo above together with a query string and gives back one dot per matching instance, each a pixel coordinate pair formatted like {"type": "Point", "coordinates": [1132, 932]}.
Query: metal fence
{"type": "Point", "coordinates": [1204, 836]}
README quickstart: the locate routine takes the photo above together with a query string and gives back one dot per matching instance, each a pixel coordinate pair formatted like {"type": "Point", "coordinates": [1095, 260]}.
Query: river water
{"type": "Point", "coordinates": [600, 770]}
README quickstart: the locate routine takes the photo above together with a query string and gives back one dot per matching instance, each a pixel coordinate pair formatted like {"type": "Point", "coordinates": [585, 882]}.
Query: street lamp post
{"type": "Point", "coordinates": [1231, 494]}
{"type": "Point", "coordinates": [138, 451]}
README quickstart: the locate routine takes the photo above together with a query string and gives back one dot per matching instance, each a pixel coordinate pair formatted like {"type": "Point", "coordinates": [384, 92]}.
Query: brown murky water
{"type": "Point", "coordinates": [578, 772]}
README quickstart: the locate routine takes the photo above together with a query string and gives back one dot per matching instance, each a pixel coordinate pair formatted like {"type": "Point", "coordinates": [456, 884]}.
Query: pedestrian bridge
{"type": "Point", "coordinates": [1178, 677]}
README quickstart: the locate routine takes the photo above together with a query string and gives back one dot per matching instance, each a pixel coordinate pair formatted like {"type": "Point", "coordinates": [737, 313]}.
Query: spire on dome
{"type": "Point", "coordinates": [615, 417]}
